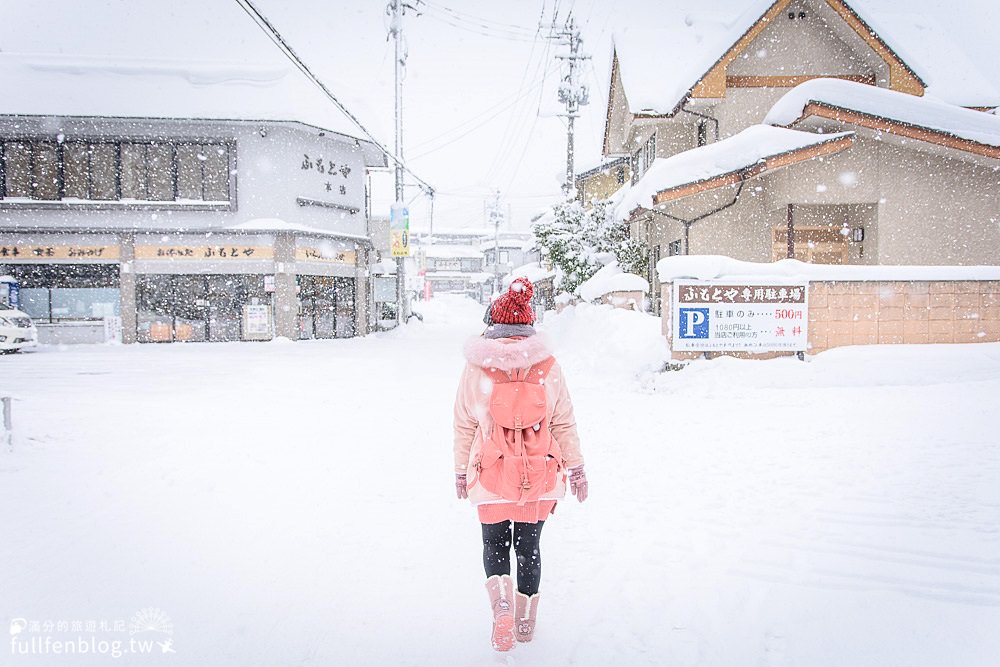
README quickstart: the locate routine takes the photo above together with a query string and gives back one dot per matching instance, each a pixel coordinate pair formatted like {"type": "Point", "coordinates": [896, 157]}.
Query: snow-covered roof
{"type": "Point", "coordinates": [923, 112]}
{"type": "Point", "coordinates": [610, 279]}
{"type": "Point", "coordinates": [92, 86]}
{"type": "Point", "coordinates": [449, 251]}
{"type": "Point", "coordinates": [472, 277]}
{"type": "Point", "coordinates": [691, 46]}
{"type": "Point", "coordinates": [749, 151]}
{"type": "Point", "coordinates": [711, 267]}
{"type": "Point", "coordinates": [694, 43]}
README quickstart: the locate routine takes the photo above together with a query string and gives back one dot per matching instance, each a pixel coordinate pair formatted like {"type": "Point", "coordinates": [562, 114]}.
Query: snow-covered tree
{"type": "Point", "coordinates": [580, 241]}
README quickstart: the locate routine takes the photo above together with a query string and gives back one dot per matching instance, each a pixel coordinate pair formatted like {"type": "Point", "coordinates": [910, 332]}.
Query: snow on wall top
{"type": "Point", "coordinates": [610, 279]}
{"type": "Point", "coordinates": [920, 111]}
{"type": "Point", "coordinates": [740, 151]}
{"type": "Point", "coordinates": [533, 271]}
{"type": "Point", "coordinates": [710, 267]}
{"type": "Point", "coordinates": [77, 85]}
{"type": "Point", "coordinates": [279, 225]}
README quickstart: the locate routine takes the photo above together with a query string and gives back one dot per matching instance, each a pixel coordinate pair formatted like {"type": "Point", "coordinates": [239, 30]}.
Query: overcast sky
{"type": "Point", "coordinates": [479, 95]}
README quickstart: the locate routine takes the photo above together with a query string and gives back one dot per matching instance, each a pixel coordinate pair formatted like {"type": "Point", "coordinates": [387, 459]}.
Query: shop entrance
{"type": "Point", "coordinates": [195, 307]}
{"type": "Point", "coordinates": [326, 307]}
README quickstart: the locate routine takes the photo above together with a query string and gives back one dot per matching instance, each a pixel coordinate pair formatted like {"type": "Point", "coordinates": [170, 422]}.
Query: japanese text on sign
{"type": "Point", "coordinates": [227, 252]}
{"type": "Point", "coordinates": [54, 252]}
{"type": "Point", "coordinates": [746, 317]}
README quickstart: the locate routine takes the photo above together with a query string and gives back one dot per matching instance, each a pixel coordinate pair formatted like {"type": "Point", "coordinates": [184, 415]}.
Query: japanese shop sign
{"type": "Point", "coordinates": [334, 176]}
{"type": "Point", "coordinates": [203, 252]}
{"type": "Point", "coordinates": [745, 317]}
{"type": "Point", "coordinates": [304, 254]}
{"type": "Point", "coordinates": [43, 252]}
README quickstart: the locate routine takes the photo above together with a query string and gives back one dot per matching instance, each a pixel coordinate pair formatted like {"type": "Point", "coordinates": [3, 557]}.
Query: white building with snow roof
{"type": "Point", "coordinates": [807, 129]}
{"type": "Point", "coordinates": [194, 201]}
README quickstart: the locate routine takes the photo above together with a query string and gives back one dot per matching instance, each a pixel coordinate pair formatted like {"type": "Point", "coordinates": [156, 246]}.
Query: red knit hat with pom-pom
{"type": "Point", "coordinates": [514, 305]}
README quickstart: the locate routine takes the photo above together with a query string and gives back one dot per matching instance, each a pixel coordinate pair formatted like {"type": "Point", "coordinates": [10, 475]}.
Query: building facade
{"type": "Point", "coordinates": [185, 229]}
{"type": "Point", "coordinates": [804, 133]}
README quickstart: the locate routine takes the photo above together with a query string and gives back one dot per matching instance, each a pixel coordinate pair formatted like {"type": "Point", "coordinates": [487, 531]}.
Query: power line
{"type": "Point", "coordinates": [481, 30]}
{"type": "Point", "coordinates": [479, 122]}
{"type": "Point", "coordinates": [275, 36]}
{"type": "Point", "coordinates": [471, 17]}
{"type": "Point", "coordinates": [476, 24]}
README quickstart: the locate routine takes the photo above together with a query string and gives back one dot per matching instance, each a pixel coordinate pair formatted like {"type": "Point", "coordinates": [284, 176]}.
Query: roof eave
{"type": "Point", "coordinates": [767, 164]}
{"type": "Point", "coordinates": [893, 126]}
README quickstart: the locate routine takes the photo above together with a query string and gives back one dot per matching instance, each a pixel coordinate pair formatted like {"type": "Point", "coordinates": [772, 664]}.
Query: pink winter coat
{"type": "Point", "coordinates": [472, 418]}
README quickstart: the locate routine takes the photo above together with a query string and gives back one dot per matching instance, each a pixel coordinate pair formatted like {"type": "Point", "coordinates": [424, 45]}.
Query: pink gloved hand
{"type": "Point", "coordinates": [461, 490]}
{"type": "Point", "coordinates": [578, 483]}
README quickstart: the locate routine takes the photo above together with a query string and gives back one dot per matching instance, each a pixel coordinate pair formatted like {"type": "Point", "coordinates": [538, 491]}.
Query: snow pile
{"type": "Point", "coordinates": [606, 344]}
{"type": "Point", "coordinates": [610, 279]}
{"type": "Point", "coordinates": [924, 112]}
{"type": "Point", "coordinates": [741, 151]}
{"type": "Point", "coordinates": [533, 271]}
{"type": "Point", "coordinates": [709, 267]}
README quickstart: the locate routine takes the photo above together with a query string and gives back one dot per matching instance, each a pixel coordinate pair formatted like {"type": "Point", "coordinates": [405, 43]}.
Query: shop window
{"type": "Point", "coordinates": [53, 293]}
{"type": "Point", "coordinates": [76, 171]}
{"type": "Point", "coordinates": [109, 171]}
{"type": "Point", "coordinates": [103, 172]}
{"type": "Point", "coordinates": [45, 170]}
{"type": "Point", "coordinates": [203, 172]}
{"type": "Point", "coordinates": [17, 169]}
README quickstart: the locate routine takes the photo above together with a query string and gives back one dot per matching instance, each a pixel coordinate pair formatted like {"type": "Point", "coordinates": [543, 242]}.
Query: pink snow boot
{"type": "Point", "coordinates": [525, 610]}
{"type": "Point", "coordinates": [501, 590]}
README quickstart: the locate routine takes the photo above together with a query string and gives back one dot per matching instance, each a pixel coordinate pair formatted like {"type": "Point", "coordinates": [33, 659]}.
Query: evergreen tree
{"type": "Point", "coordinates": [580, 241]}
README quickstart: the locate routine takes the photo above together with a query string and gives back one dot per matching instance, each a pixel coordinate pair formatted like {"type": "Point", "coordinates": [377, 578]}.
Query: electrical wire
{"type": "Point", "coordinates": [275, 36]}
{"type": "Point", "coordinates": [480, 30]}
{"type": "Point", "coordinates": [470, 17]}
{"type": "Point", "coordinates": [479, 124]}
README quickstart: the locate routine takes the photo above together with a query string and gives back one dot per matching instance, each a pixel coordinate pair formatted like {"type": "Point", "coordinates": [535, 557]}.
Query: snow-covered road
{"type": "Point", "coordinates": [287, 504]}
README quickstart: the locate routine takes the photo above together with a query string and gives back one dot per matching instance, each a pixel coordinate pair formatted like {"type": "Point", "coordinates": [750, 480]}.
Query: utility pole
{"type": "Point", "coordinates": [496, 216]}
{"type": "Point", "coordinates": [396, 30]}
{"type": "Point", "coordinates": [572, 92]}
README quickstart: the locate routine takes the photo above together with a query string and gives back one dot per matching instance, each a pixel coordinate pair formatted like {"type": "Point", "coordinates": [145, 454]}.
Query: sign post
{"type": "Point", "coordinates": [399, 237]}
{"type": "Point", "coordinates": [710, 316]}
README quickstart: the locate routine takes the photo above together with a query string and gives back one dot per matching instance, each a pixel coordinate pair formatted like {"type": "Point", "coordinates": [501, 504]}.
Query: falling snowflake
{"type": "Point", "coordinates": [848, 179]}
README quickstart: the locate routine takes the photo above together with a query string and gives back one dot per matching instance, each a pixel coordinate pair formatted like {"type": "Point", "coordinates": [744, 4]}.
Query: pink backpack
{"type": "Point", "coordinates": [520, 461]}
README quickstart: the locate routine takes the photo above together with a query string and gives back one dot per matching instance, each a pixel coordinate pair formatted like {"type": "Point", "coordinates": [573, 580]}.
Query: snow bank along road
{"type": "Point", "coordinates": [288, 504]}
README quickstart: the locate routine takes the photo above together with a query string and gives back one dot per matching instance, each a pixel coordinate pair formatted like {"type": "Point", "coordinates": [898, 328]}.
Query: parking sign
{"type": "Point", "coordinates": [748, 317]}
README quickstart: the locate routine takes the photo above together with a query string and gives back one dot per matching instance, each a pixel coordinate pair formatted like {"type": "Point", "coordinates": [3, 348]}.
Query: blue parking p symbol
{"type": "Point", "coordinates": [693, 323]}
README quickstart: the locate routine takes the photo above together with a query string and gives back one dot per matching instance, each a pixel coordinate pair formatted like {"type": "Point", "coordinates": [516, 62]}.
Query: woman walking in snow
{"type": "Point", "coordinates": [515, 445]}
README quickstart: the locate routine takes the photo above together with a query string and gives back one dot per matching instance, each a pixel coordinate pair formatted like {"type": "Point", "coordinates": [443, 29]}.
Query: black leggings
{"type": "Point", "coordinates": [496, 552]}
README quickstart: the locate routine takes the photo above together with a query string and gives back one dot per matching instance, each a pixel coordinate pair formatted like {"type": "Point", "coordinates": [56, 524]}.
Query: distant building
{"type": "Point", "coordinates": [467, 262]}
{"type": "Point", "coordinates": [193, 202]}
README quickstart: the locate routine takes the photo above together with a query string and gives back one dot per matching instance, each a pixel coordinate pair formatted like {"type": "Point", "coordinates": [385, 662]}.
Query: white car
{"type": "Point", "coordinates": [17, 331]}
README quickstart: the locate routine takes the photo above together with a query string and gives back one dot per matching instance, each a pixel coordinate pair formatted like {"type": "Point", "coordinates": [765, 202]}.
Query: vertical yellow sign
{"type": "Point", "coordinates": [399, 230]}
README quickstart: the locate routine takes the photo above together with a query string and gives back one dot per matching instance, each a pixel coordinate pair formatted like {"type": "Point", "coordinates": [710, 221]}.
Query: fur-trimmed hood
{"type": "Point", "coordinates": [507, 353]}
